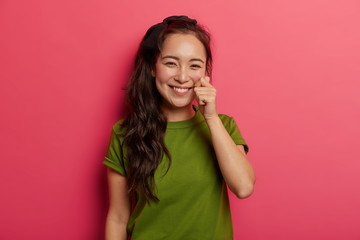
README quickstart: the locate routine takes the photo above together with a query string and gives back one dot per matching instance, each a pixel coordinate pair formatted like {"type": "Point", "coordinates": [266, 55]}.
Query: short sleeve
{"type": "Point", "coordinates": [113, 157]}
{"type": "Point", "coordinates": [234, 132]}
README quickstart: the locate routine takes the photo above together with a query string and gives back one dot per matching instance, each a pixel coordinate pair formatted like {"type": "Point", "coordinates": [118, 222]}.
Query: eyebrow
{"type": "Point", "coordinates": [176, 58]}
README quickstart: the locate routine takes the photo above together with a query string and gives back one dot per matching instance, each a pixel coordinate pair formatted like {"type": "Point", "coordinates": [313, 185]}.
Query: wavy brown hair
{"type": "Point", "coordinates": [145, 125]}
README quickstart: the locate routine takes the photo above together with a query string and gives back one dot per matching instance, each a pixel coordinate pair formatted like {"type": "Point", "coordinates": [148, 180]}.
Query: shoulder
{"type": "Point", "coordinates": [227, 120]}
{"type": "Point", "coordinates": [233, 130]}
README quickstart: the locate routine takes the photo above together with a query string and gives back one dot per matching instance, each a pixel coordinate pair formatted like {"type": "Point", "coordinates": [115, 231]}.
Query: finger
{"type": "Point", "coordinates": [207, 99]}
{"type": "Point", "coordinates": [205, 82]}
{"type": "Point", "coordinates": [209, 90]}
{"type": "Point", "coordinates": [204, 91]}
{"type": "Point", "coordinates": [198, 83]}
{"type": "Point", "coordinates": [201, 101]}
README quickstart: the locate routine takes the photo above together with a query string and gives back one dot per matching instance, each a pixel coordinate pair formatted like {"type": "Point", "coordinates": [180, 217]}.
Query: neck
{"type": "Point", "coordinates": [178, 114]}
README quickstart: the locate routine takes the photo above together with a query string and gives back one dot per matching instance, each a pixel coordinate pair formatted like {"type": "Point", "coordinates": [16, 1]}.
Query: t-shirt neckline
{"type": "Point", "coordinates": [197, 118]}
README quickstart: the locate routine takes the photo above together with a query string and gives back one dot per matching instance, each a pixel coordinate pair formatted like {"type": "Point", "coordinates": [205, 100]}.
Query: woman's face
{"type": "Point", "coordinates": [181, 63]}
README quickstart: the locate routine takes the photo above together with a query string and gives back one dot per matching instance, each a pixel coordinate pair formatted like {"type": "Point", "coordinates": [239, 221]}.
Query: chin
{"type": "Point", "coordinates": [181, 104]}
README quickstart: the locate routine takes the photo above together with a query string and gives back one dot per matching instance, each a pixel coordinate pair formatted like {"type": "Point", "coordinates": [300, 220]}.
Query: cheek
{"type": "Point", "coordinates": [197, 75]}
{"type": "Point", "coordinates": [162, 74]}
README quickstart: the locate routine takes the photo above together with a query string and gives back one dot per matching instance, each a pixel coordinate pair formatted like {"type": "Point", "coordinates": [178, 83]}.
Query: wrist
{"type": "Point", "coordinates": [213, 120]}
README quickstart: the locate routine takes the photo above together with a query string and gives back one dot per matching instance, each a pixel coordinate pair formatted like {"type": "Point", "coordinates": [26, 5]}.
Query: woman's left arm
{"type": "Point", "coordinates": [236, 169]}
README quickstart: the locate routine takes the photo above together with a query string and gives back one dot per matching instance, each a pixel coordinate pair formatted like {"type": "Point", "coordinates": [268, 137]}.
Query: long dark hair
{"type": "Point", "coordinates": [145, 125]}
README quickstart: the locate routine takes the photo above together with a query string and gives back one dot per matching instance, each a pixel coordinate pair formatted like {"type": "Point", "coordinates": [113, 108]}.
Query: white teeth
{"type": "Point", "coordinates": [180, 90]}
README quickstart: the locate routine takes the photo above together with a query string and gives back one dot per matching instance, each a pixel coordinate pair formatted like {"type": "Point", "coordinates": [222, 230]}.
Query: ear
{"type": "Point", "coordinates": [152, 73]}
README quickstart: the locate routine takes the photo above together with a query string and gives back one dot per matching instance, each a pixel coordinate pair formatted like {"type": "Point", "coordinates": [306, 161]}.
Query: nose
{"type": "Point", "coordinates": [182, 75]}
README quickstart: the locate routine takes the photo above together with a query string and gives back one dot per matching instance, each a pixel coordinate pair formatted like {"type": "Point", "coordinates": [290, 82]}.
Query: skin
{"type": "Point", "coordinates": [119, 207]}
{"type": "Point", "coordinates": [182, 64]}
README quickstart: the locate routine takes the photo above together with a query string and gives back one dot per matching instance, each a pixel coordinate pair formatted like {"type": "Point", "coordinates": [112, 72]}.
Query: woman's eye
{"type": "Point", "coordinates": [195, 66]}
{"type": "Point", "coordinates": [170, 64]}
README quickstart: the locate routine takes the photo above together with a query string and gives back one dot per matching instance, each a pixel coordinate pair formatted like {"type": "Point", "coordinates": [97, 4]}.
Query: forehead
{"type": "Point", "coordinates": [183, 46]}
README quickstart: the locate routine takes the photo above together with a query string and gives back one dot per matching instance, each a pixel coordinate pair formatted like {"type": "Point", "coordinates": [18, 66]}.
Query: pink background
{"type": "Point", "coordinates": [288, 71]}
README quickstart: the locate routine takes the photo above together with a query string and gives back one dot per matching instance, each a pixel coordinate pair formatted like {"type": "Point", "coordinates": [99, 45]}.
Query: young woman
{"type": "Point", "coordinates": [170, 161]}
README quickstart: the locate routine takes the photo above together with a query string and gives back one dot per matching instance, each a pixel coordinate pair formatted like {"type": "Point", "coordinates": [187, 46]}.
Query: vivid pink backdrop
{"type": "Point", "coordinates": [288, 71]}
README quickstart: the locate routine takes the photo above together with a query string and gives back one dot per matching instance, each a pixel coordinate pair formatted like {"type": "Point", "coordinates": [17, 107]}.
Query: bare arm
{"type": "Point", "coordinates": [119, 207]}
{"type": "Point", "coordinates": [235, 168]}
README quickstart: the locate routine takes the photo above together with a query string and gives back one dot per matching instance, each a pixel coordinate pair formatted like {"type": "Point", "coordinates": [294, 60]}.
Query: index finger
{"type": "Point", "coordinates": [198, 83]}
{"type": "Point", "coordinates": [205, 81]}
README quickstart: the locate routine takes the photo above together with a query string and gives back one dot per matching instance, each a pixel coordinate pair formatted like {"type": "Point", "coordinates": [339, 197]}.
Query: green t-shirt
{"type": "Point", "coordinates": [193, 196]}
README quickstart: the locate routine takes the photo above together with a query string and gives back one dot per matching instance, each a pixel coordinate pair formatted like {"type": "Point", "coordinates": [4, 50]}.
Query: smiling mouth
{"type": "Point", "coordinates": [180, 90]}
